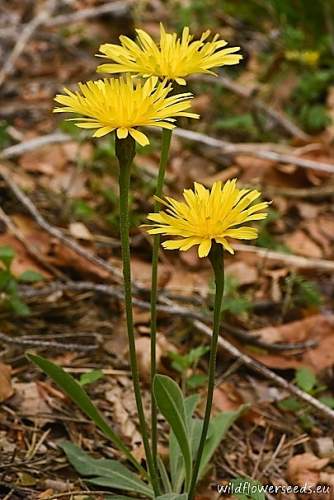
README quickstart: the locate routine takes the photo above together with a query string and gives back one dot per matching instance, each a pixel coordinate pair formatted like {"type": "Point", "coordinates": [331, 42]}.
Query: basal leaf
{"type": "Point", "coordinates": [116, 474]}
{"type": "Point", "coordinates": [170, 402]}
{"type": "Point", "coordinates": [78, 395]}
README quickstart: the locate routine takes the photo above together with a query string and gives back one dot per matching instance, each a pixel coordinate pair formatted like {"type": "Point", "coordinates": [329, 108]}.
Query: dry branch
{"type": "Point", "coordinates": [197, 320]}
{"type": "Point", "coordinates": [26, 33]}
{"type": "Point", "coordinates": [55, 232]}
{"type": "Point", "coordinates": [256, 103]}
{"type": "Point", "coordinates": [263, 370]}
{"type": "Point", "coordinates": [228, 148]}
{"type": "Point", "coordinates": [115, 8]}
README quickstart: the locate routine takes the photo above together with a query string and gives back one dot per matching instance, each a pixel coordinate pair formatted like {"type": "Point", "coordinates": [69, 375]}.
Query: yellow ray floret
{"type": "Point", "coordinates": [123, 105]}
{"type": "Point", "coordinates": [174, 58]}
{"type": "Point", "coordinates": [208, 215]}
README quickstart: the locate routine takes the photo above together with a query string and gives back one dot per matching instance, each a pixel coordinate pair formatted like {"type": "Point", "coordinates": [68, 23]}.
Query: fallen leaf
{"type": "Point", "coordinates": [244, 273]}
{"type": "Point", "coordinates": [305, 469]}
{"type": "Point", "coordinates": [226, 397]}
{"type": "Point", "coordinates": [6, 389]}
{"type": "Point", "coordinates": [30, 402]}
{"type": "Point", "coordinates": [80, 231]}
{"type": "Point", "coordinates": [301, 244]}
{"type": "Point", "coordinates": [319, 327]}
{"type": "Point", "coordinates": [48, 160]}
{"type": "Point", "coordinates": [222, 175]}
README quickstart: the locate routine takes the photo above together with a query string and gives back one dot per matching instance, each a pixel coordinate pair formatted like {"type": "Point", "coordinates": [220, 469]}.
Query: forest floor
{"type": "Point", "coordinates": [268, 123]}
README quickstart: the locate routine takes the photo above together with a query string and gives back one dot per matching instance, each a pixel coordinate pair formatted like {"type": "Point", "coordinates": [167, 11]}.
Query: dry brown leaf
{"type": "Point", "coordinates": [48, 160]}
{"type": "Point", "coordinates": [305, 469]}
{"type": "Point", "coordinates": [301, 244]}
{"type": "Point", "coordinates": [318, 327]}
{"type": "Point", "coordinates": [143, 346]}
{"type": "Point", "coordinates": [79, 230]}
{"type": "Point", "coordinates": [142, 273]}
{"type": "Point", "coordinates": [6, 389]}
{"type": "Point", "coordinates": [244, 273]}
{"type": "Point", "coordinates": [124, 411]}
{"type": "Point", "coordinates": [22, 260]}
{"type": "Point", "coordinates": [226, 397]}
{"type": "Point", "coordinates": [254, 169]}
{"type": "Point", "coordinates": [222, 175]}
{"type": "Point", "coordinates": [29, 400]}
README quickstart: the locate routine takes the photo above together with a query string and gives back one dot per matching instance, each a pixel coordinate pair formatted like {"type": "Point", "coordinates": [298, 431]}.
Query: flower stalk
{"type": "Point", "coordinates": [216, 257]}
{"type": "Point", "coordinates": [125, 152]}
{"type": "Point", "coordinates": [166, 140]}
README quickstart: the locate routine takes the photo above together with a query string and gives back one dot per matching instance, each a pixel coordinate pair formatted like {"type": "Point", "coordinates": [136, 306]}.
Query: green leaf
{"type": "Point", "coordinates": [219, 425]}
{"type": "Point", "coordinates": [173, 496]}
{"type": "Point", "coordinates": [7, 254]}
{"type": "Point", "coordinates": [78, 395]}
{"type": "Point", "coordinates": [164, 476]}
{"type": "Point", "coordinates": [30, 276]}
{"type": "Point", "coordinates": [109, 473]}
{"type": "Point", "coordinates": [19, 307]}
{"type": "Point", "coordinates": [305, 379]}
{"type": "Point", "coordinates": [290, 404]}
{"type": "Point", "coordinates": [120, 482]}
{"type": "Point", "coordinates": [196, 380]}
{"type": "Point", "coordinates": [170, 402]}
{"type": "Point", "coordinates": [238, 483]}
{"type": "Point", "coordinates": [328, 401]}
{"type": "Point", "coordinates": [5, 277]}
{"type": "Point", "coordinates": [175, 456]}
{"type": "Point", "coordinates": [90, 377]}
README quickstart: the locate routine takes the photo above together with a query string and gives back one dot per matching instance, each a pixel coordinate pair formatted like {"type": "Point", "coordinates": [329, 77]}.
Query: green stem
{"type": "Point", "coordinates": [216, 257]}
{"type": "Point", "coordinates": [125, 152]}
{"type": "Point", "coordinates": [166, 139]}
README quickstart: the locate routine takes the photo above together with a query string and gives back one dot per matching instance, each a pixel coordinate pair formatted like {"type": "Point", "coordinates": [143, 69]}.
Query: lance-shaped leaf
{"type": "Point", "coordinates": [110, 473]}
{"type": "Point", "coordinates": [78, 395]}
{"type": "Point", "coordinates": [170, 402]}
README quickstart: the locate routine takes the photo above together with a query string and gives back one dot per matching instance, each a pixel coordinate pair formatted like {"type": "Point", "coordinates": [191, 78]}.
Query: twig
{"type": "Point", "coordinates": [46, 343]}
{"type": "Point", "coordinates": [263, 370]}
{"type": "Point", "coordinates": [32, 144]}
{"type": "Point", "coordinates": [253, 150]}
{"type": "Point", "coordinates": [23, 39]}
{"type": "Point", "coordinates": [293, 260]}
{"type": "Point", "coordinates": [256, 103]}
{"type": "Point", "coordinates": [201, 326]}
{"type": "Point", "coordinates": [74, 493]}
{"type": "Point", "coordinates": [169, 308]}
{"type": "Point", "coordinates": [55, 232]}
{"type": "Point", "coordinates": [118, 8]}
{"type": "Point", "coordinates": [115, 8]}
{"type": "Point", "coordinates": [31, 249]}
{"type": "Point", "coordinates": [312, 192]}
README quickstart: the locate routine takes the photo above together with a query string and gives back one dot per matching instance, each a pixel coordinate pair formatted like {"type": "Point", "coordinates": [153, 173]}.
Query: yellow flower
{"type": "Point", "coordinates": [308, 57]}
{"type": "Point", "coordinates": [207, 215]}
{"type": "Point", "coordinates": [174, 58]}
{"type": "Point", "coordinates": [123, 105]}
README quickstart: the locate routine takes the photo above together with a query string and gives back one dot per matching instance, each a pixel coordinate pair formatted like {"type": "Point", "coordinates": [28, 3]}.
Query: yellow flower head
{"type": "Point", "coordinates": [174, 58]}
{"type": "Point", "coordinates": [207, 215]}
{"type": "Point", "coordinates": [123, 105]}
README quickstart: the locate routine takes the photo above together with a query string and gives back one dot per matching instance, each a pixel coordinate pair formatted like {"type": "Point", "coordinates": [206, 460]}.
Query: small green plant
{"type": "Point", "coordinates": [234, 302]}
{"type": "Point", "coordinates": [186, 365]}
{"type": "Point", "coordinates": [300, 292]}
{"type": "Point", "coordinates": [9, 291]}
{"type": "Point", "coordinates": [245, 488]}
{"type": "Point", "coordinates": [4, 136]}
{"type": "Point", "coordinates": [90, 377]}
{"type": "Point", "coordinates": [306, 380]}
{"type": "Point", "coordinates": [266, 239]}
{"type": "Point", "coordinates": [82, 210]}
